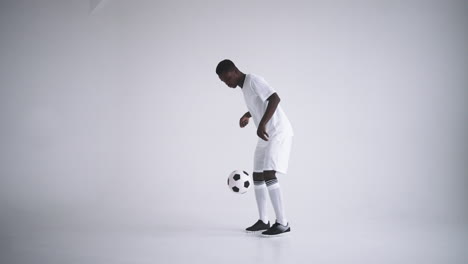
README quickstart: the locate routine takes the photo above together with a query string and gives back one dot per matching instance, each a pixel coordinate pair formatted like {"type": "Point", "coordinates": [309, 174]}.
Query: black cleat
{"type": "Point", "coordinates": [277, 229]}
{"type": "Point", "coordinates": [258, 226]}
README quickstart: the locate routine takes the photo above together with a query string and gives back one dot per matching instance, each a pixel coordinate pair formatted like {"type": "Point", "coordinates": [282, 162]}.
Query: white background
{"type": "Point", "coordinates": [113, 118]}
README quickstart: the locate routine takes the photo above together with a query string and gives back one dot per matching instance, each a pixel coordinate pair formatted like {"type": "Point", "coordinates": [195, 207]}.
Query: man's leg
{"type": "Point", "coordinates": [275, 195]}
{"type": "Point", "coordinates": [261, 195]}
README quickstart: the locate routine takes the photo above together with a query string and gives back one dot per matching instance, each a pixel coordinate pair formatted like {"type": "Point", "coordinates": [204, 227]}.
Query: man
{"type": "Point", "coordinates": [273, 147]}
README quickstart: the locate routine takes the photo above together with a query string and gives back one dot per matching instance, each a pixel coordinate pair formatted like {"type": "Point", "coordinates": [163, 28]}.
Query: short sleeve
{"type": "Point", "coordinates": [262, 88]}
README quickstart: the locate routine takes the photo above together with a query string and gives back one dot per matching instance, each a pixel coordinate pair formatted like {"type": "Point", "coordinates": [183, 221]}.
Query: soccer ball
{"type": "Point", "coordinates": [239, 181]}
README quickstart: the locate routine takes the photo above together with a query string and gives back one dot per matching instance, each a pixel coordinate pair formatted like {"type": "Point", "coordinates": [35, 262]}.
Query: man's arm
{"type": "Point", "coordinates": [248, 115]}
{"type": "Point", "coordinates": [273, 102]}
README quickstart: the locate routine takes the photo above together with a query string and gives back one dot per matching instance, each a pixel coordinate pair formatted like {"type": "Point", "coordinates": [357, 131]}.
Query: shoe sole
{"type": "Point", "coordinates": [277, 235]}
{"type": "Point", "coordinates": [254, 232]}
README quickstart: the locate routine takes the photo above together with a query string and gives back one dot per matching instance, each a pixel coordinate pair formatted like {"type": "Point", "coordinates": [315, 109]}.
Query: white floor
{"type": "Point", "coordinates": [192, 242]}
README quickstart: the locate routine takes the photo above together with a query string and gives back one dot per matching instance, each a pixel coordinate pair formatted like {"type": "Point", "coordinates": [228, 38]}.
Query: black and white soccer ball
{"type": "Point", "coordinates": [239, 181]}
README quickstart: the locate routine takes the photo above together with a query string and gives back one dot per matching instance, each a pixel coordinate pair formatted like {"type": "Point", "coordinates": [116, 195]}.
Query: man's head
{"type": "Point", "coordinates": [228, 73]}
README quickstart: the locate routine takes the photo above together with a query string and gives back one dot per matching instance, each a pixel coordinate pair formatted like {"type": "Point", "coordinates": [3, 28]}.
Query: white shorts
{"type": "Point", "coordinates": [273, 154]}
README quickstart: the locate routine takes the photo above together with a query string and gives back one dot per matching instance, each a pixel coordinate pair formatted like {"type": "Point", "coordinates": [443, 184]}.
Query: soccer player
{"type": "Point", "coordinates": [273, 147]}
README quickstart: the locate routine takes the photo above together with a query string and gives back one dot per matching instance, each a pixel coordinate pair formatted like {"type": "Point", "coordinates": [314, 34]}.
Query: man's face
{"type": "Point", "coordinates": [229, 78]}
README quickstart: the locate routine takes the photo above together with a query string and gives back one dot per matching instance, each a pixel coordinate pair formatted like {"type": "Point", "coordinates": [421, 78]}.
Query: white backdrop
{"type": "Point", "coordinates": [116, 117]}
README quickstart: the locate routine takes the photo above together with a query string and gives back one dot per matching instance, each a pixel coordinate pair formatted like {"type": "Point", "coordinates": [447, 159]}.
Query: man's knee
{"type": "Point", "coordinates": [258, 176]}
{"type": "Point", "coordinates": [269, 175]}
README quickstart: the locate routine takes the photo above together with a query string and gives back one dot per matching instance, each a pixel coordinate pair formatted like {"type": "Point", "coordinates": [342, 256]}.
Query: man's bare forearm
{"type": "Point", "coordinates": [248, 114]}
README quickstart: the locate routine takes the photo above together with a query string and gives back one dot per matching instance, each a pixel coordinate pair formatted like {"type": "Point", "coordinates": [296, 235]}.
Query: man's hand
{"type": "Point", "coordinates": [261, 132]}
{"type": "Point", "coordinates": [244, 120]}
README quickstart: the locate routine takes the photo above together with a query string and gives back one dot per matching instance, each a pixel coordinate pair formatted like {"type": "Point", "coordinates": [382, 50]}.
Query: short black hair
{"type": "Point", "coordinates": [225, 66]}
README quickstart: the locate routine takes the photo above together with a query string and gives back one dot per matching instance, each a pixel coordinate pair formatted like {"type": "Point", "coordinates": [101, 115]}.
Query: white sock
{"type": "Point", "coordinates": [277, 200]}
{"type": "Point", "coordinates": [261, 197]}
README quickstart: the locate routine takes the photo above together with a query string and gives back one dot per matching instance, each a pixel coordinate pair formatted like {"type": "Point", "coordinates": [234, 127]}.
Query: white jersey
{"type": "Point", "coordinates": [256, 92]}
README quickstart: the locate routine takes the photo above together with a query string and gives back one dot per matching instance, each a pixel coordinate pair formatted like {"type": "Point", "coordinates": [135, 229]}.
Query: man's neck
{"type": "Point", "coordinates": [241, 84]}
